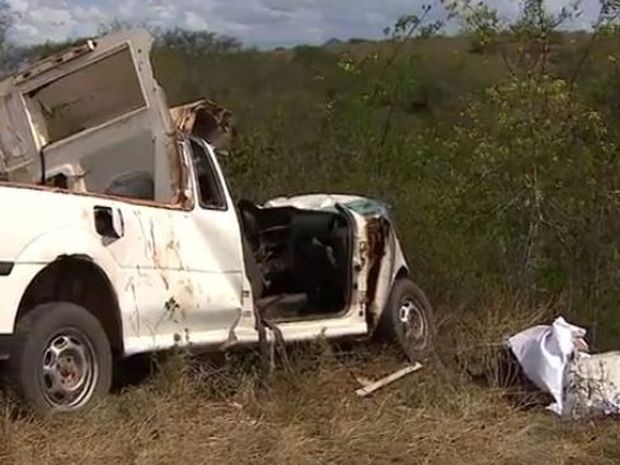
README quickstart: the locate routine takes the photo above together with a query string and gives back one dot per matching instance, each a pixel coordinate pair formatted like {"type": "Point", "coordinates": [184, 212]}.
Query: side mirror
{"type": "Point", "coordinates": [109, 223]}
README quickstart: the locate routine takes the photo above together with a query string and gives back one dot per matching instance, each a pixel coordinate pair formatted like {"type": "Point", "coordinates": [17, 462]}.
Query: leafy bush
{"type": "Point", "coordinates": [532, 183]}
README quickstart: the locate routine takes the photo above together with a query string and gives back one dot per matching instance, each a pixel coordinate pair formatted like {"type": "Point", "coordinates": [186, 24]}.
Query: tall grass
{"type": "Point", "coordinates": [212, 413]}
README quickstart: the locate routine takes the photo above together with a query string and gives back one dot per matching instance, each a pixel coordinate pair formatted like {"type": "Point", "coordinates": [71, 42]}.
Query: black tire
{"type": "Point", "coordinates": [51, 343]}
{"type": "Point", "coordinates": [417, 337]}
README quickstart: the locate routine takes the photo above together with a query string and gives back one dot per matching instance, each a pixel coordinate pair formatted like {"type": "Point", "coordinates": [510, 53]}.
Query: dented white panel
{"type": "Point", "coordinates": [177, 274]}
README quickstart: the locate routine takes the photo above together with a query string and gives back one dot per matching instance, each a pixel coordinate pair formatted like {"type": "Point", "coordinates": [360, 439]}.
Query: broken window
{"type": "Point", "coordinates": [86, 98]}
{"type": "Point", "coordinates": [211, 194]}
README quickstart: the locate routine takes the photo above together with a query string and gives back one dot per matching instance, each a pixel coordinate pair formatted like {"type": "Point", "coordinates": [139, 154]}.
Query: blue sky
{"type": "Point", "coordinates": [264, 23]}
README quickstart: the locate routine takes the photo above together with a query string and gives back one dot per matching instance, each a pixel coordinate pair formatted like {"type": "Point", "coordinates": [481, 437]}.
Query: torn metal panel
{"type": "Point", "coordinates": [207, 120]}
{"type": "Point", "coordinates": [96, 109]}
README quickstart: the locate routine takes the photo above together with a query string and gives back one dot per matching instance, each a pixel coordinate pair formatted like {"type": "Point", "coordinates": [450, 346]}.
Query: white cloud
{"type": "Point", "coordinates": [194, 21]}
{"type": "Point", "coordinates": [255, 22]}
{"type": "Point", "coordinates": [19, 6]}
{"type": "Point", "coordinates": [91, 13]}
{"type": "Point", "coordinates": [28, 32]}
{"type": "Point", "coordinates": [52, 16]}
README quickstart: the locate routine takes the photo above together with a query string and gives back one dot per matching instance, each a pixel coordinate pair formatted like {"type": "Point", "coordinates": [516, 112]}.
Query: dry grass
{"type": "Point", "coordinates": [195, 413]}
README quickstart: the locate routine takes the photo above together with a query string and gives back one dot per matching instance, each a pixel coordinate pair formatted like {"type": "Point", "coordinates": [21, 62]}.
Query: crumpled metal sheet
{"type": "Point", "coordinates": [206, 119]}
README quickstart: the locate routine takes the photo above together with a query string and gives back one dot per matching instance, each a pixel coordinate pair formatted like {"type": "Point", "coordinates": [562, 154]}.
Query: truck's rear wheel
{"type": "Point", "coordinates": [61, 358]}
{"type": "Point", "coordinates": [408, 320]}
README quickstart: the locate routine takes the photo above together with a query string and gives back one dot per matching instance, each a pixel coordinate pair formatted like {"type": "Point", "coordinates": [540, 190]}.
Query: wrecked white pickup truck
{"type": "Point", "coordinates": [119, 235]}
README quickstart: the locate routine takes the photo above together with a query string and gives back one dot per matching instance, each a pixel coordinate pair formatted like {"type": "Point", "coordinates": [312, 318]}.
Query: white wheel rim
{"type": "Point", "coordinates": [411, 316]}
{"type": "Point", "coordinates": [68, 370]}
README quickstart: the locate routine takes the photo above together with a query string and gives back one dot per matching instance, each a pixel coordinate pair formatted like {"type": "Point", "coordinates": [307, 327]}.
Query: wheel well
{"type": "Point", "coordinates": [79, 280]}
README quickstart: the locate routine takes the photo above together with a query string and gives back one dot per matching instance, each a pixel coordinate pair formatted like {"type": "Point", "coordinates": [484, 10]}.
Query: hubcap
{"type": "Point", "coordinates": [413, 321]}
{"type": "Point", "coordinates": [68, 370]}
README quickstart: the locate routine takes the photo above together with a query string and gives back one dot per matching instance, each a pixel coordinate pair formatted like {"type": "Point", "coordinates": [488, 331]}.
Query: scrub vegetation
{"type": "Point", "coordinates": [498, 152]}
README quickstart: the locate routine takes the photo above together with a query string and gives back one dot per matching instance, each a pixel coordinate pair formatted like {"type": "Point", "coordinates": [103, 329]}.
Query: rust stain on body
{"type": "Point", "coordinates": [207, 119]}
{"type": "Point", "coordinates": [377, 232]}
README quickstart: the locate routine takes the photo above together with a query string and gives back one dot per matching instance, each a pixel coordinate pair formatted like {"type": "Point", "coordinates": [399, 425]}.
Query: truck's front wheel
{"type": "Point", "coordinates": [61, 358]}
{"type": "Point", "coordinates": [408, 319]}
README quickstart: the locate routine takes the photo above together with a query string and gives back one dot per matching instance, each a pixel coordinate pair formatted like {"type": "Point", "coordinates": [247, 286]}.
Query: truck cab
{"type": "Point", "coordinates": [121, 236]}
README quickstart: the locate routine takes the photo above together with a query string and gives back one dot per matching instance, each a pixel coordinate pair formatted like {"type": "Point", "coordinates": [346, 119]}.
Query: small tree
{"type": "Point", "coordinates": [535, 169]}
{"type": "Point", "coordinates": [480, 22]}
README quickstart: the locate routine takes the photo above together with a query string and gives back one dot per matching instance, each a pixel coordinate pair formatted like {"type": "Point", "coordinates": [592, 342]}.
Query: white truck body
{"type": "Point", "coordinates": [166, 265]}
{"type": "Point", "coordinates": [178, 275]}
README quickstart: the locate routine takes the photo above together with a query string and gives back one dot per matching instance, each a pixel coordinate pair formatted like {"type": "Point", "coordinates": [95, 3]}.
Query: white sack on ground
{"type": "Point", "coordinates": [545, 353]}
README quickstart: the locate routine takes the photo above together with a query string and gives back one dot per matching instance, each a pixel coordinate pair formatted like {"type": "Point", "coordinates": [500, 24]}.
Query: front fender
{"type": "Point", "coordinates": [12, 288]}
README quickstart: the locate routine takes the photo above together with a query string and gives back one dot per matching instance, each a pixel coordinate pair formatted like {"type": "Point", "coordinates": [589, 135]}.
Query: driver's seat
{"type": "Point", "coordinates": [283, 304]}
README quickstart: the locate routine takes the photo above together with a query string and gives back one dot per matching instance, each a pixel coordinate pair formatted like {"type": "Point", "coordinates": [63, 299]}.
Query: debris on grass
{"type": "Point", "coordinates": [545, 352]}
{"type": "Point", "coordinates": [555, 358]}
{"type": "Point", "coordinates": [368, 387]}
